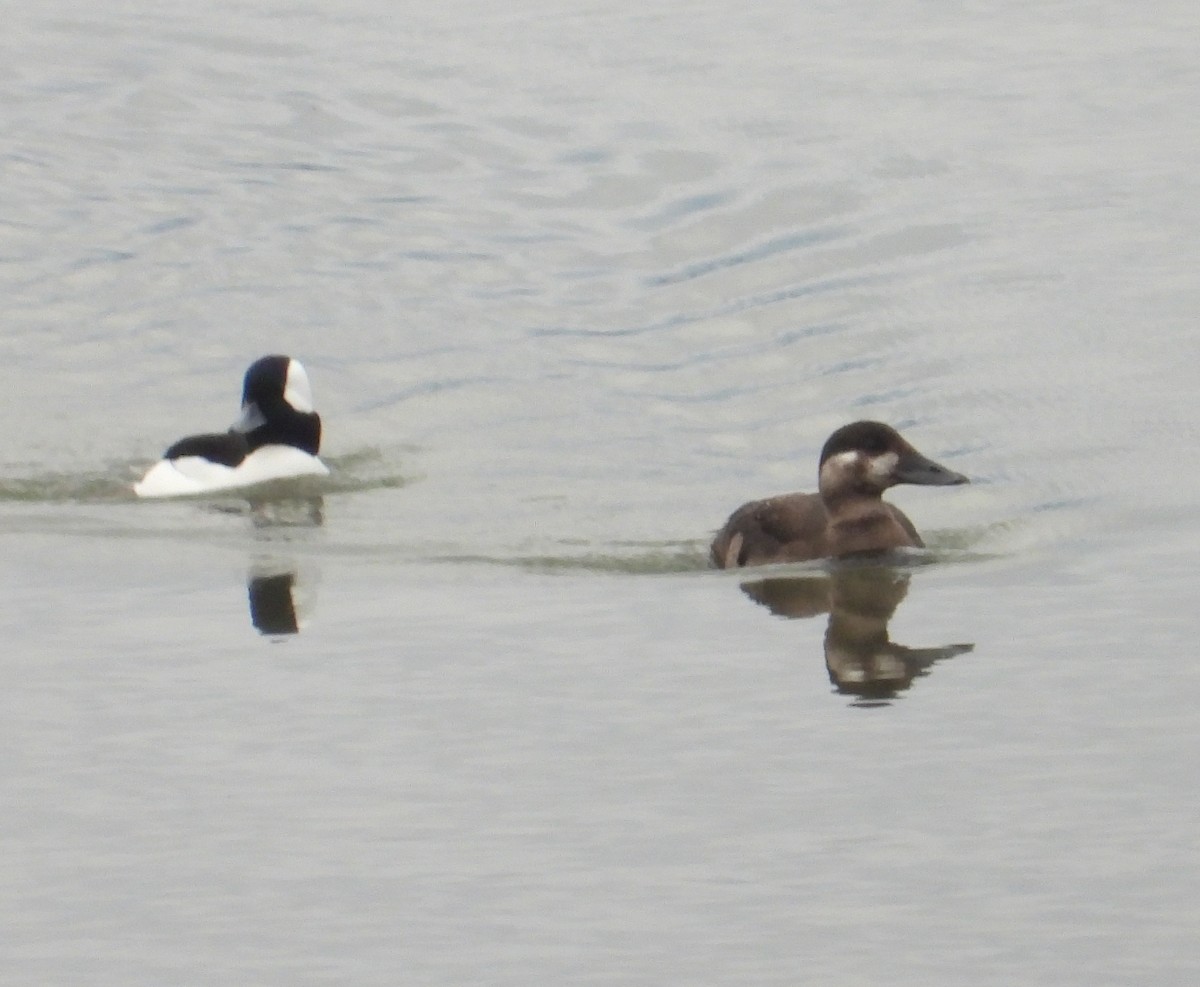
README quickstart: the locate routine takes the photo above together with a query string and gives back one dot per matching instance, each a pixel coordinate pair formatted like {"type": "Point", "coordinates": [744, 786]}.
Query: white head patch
{"type": "Point", "coordinates": [839, 465]}
{"type": "Point", "coordinates": [296, 389]}
{"type": "Point", "coordinates": [882, 468]}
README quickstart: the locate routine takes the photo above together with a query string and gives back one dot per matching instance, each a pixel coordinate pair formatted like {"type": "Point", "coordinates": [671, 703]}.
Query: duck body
{"type": "Point", "coordinates": [277, 437]}
{"type": "Point", "coordinates": [181, 476]}
{"type": "Point", "coordinates": [797, 527]}
{"type": "Point", "coordinates": [847, 516]}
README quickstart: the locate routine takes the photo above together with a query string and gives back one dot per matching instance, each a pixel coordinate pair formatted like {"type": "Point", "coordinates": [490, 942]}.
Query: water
{"type": "Point", "coordinates": [571, 283]}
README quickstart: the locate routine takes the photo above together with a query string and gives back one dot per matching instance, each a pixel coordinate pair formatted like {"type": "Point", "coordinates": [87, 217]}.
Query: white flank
{"type": "Point", "coordinates": [197, 475]}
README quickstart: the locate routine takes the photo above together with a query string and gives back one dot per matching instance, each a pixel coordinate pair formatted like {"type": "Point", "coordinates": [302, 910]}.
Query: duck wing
{"type": "Point", "coordinates": [787, 528]}
{"type": "Point", "coordinates": [226, 448]}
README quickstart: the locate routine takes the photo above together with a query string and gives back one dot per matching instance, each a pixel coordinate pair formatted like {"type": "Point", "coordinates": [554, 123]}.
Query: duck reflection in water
{"type": "Point", "coordinates": [267, 512]}
{"type": "Point", "coordinates": [860, 599]}
{"type": "Point", "coordinates": [273, 603]}
{"type": "Point", "coordinates": [272, 583]}
{"type": "Point", "coordinates": [282, 596]}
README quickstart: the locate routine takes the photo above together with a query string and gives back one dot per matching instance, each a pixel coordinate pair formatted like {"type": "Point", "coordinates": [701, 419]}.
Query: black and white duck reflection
{"type": "Point", "coordinates": [860, 656]}
{"type": "Point", "coordinates": [279, 601]}
{"type": "Point", "coordinates": [272, 515]}
{"type": "Point", "coordinates": [276, 437]}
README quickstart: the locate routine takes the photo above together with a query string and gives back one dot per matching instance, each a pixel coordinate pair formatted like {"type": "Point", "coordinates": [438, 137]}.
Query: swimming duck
{"type": "Point", "coordinates": [276, 437]}
{"type": "Point", "coordinates": [848, 515]}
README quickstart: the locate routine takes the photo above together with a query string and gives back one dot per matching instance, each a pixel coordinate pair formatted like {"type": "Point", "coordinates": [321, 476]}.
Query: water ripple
{"type": "Point", "coordinates": [762, 251]}
{"type": "Point", "coordinates": [364, 469]}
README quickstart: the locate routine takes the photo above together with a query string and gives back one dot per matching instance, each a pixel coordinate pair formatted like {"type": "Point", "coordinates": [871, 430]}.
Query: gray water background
{"type": "Point", "coordinates": [571, 282]}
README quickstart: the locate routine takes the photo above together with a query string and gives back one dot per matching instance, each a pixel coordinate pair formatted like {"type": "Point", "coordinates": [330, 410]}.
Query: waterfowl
{"type": "Point", "coordinates": [847, 516]}
{"type": "Point", "coordinates": [277, 436]}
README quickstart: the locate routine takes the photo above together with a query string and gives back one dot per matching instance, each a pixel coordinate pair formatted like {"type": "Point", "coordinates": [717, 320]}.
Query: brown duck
{"type": "Point", "coordinates": [847, 516]}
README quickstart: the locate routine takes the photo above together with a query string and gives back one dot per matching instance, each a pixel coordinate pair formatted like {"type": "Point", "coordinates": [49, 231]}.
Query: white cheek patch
{"type": "Point", "coordinates": [296, 390]}
{"type": "Point", "coordinates": [842, 464]}
{"type": "Point", "coordinates": [882, 467]}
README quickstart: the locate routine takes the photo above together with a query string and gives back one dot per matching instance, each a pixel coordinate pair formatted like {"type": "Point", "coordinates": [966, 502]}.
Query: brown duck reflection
{"type": "Point", "coordinates": [861, 658]}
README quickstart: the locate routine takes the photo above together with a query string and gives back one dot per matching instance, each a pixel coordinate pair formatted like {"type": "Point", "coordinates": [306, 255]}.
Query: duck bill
{"type": "Point", "coordinates": [250, 419]}
{"type": "Point", "coordinates": [915, 468]}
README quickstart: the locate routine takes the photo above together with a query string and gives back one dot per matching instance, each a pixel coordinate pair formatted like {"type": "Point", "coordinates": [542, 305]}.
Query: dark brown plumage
{"type": "Point", "coordinates": [847, 516]}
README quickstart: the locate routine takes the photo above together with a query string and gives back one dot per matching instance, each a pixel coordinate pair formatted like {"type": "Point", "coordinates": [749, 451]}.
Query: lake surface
{"type": "Point", "coordinates": [571, 282]}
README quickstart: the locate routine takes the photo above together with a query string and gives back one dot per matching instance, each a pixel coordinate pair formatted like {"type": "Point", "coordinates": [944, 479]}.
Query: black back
{"type": "Point", "coordinates": [226, 448]}
{"type": "Point", "coordinates": [263, 386]}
